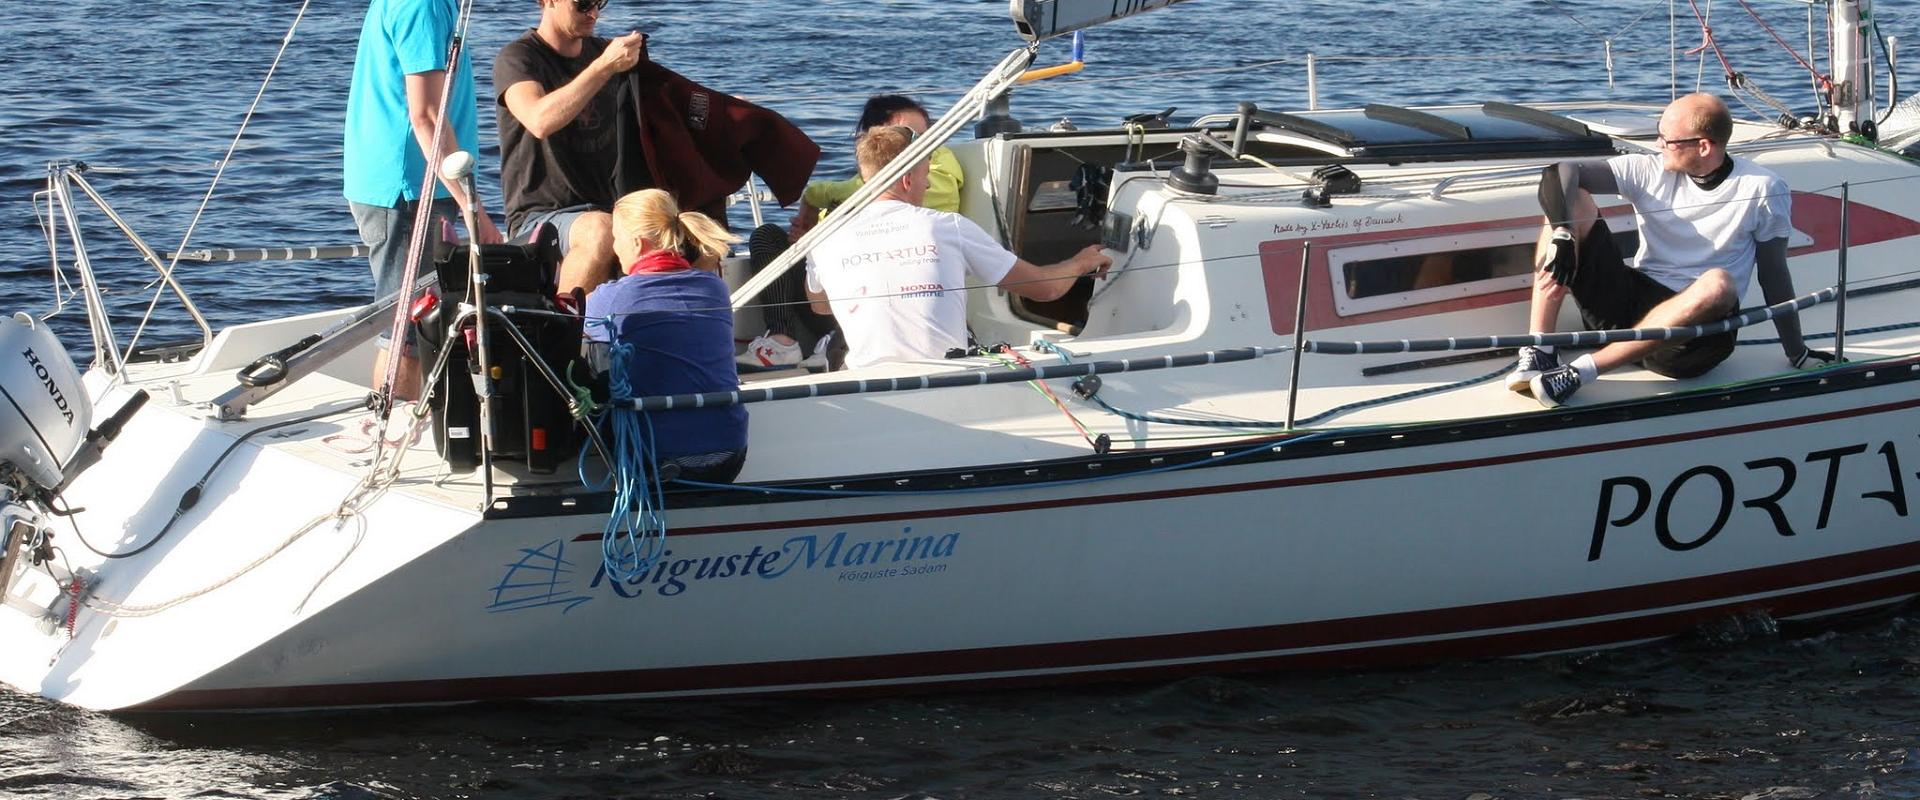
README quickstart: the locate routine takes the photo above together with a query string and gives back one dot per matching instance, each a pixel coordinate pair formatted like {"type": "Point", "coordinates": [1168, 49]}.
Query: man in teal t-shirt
{"type": "Point", "coordinates": [393, 107]}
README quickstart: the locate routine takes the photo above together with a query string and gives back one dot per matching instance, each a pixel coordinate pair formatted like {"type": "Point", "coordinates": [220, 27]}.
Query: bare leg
{"type": "Point", "coordinates": [406, 385]}
{"type": "Point", "coordinates": [1709, 298]}
{"type": "Point", "coordinates": [1548, 295]}
{"type": "Point", "coordinates": [589, 261]}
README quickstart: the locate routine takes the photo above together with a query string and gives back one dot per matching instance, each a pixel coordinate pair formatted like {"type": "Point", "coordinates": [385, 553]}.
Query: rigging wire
{"type": "Point", "coordinates": [221, 170]}
{"type": "Point", "coordinates": [1823, 81]}
{"type": "Point", "coordinates": [1606, 41]}
{"type": "Point", "coordinates": [1219, 458]}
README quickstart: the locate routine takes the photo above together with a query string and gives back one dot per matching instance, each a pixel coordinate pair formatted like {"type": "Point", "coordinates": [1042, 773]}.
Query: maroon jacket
{"type": "Point", "coordinates": [700, 144]}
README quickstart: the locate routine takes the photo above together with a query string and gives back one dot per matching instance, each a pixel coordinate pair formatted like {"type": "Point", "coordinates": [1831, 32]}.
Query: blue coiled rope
{"type": "Point", "coordinates": [636, 534]}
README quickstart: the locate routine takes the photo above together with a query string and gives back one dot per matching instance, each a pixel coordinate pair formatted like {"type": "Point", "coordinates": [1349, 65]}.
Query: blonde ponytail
{"type": "Point", "coordinates": [652, 214]}
{"type": "Point", "coordinates": [705, 235]}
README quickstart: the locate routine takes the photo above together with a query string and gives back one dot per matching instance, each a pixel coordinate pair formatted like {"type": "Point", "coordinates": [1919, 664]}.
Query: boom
{"type": "Point", "coordinates": [1040, 20]}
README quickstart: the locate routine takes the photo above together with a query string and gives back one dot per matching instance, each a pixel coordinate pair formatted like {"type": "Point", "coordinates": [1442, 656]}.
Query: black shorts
{"type": "Point", "coordinates": [1614, 296]}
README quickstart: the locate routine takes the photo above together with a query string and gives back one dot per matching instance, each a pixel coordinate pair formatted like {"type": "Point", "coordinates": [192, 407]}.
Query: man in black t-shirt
{"type": "Point", "coordinates": [557, 103]}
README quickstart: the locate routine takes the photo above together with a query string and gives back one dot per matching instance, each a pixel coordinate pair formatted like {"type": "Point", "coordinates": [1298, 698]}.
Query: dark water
{"type": "Point", "coordinates": [1733, 713]}
{"type": "Point", "coordinates": [158, 88]}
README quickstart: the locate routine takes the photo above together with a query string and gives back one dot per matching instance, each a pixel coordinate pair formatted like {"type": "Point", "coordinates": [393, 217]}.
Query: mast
{"type": "Point", "coordinates": [1849, 53]}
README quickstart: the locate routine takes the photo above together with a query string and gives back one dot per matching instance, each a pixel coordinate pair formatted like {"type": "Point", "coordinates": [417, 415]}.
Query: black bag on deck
{"type": "Point", "coordinates": [531, 422]}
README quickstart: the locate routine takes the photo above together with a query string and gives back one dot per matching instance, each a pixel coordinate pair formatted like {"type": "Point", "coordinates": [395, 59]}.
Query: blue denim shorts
{"type": "Point", "coordinates": [387, 233]}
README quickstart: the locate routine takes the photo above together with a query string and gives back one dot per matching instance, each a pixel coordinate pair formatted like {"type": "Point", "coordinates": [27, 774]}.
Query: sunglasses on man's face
{"type": "Point", "coordinates": [589, 6]}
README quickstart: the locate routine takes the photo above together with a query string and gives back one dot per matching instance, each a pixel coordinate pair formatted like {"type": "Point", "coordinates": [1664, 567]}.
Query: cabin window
{"type": "Point", "coordinates": [1388, 275]}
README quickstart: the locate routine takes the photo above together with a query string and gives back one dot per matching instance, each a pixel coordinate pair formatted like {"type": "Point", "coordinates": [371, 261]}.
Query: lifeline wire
{"type": "Point", "coordinates": [1221, 458]}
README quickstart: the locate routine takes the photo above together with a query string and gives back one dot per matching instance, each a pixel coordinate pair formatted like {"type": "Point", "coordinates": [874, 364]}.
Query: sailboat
{"type": "Point", "coordinates": [1271, 439]}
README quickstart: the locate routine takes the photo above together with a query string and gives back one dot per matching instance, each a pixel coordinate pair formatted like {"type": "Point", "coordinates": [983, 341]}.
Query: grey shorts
{"type": "Point", "coordinates": [387, 233]}
{"type": "Point", "coordinates": [560, 218]}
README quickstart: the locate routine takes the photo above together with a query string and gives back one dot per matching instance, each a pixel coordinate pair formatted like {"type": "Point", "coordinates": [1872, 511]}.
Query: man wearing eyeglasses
{"type": "Point", "coordinates": [400, 72]}
{"type": "Point", "coordinates": [557, 109]}
{"type": "Point", "coordinates": [1706, 221]}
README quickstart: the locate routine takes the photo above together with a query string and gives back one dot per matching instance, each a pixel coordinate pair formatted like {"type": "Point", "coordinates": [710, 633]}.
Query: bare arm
{"type": "Point", "coordinates": [542, 112]}
{"type": "Point", "coordinates": [1052, 281]}
{"type": "Point", "coordinates": [423, 108]}
{"type": "Point", "coordinates": [1559, 181]}
{"type": "Point", "coordinates": [803, 220]}
{"type": "Point", "coordinates": [1776, 285]}
{"type": "Point", "coordinates": [818, 302]}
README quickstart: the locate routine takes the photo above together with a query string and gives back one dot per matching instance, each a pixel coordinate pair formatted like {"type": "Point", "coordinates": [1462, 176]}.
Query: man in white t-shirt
{"type": "Point", "coordinates": [1706, 220]}
{"type": "Point", "coordinates": [895, 277]}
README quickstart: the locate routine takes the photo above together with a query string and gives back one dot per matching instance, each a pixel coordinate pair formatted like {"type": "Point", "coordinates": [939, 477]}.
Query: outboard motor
{"type": "Point", "coordinates": [45, 438]}
{"type": "Point", "coordinates": [43, 425]}
{"type": "Point", "coordinates": [47, 415]}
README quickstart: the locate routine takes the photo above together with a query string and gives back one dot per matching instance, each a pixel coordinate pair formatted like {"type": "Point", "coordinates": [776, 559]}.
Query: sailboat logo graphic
{"type": "Point", "coordinates": [542, 577]}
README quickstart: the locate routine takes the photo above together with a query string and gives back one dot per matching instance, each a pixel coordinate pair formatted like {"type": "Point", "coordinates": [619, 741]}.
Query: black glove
{"type": "Point", "coordinates": [1562, 263]}
{"type": "Point", "coordinates": [1815, 359]}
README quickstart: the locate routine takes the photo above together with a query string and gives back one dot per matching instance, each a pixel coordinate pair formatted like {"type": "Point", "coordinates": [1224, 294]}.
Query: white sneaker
{"type": "Point", "coordinates": [818, 361]}
{"type": "Point", "coordinates": [768, 353]}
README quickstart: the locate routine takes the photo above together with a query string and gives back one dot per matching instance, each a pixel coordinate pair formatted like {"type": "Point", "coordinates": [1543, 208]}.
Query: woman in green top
{"type": "Point", "coordinates": [779, 347]}
{"type": "Point", "coordinates": [944, 175]}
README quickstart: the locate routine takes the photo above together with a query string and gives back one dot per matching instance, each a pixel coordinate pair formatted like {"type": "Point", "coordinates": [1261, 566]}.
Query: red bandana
{"type": "Point", "coordinates": [659, 261]}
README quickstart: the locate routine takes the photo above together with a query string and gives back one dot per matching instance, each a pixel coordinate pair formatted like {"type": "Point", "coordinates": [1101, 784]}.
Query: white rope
{"type": "Point", "coordinates": [166, 274]}
{"type": "Point", "coordinates": [351, 509]}
{"type": "Point", "coordinates": [113, 609]}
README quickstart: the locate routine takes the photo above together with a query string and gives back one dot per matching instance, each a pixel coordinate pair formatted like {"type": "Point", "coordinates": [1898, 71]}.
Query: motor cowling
{"type": "Point", "coordinates": [47, 414]}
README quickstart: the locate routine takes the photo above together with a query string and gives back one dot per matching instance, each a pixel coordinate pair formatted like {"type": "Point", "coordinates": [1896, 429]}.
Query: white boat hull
{"type": "Point", "coordinates": [1556, 533]}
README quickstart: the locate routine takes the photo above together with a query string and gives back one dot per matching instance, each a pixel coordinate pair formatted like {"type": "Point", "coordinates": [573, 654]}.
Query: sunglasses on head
{"type": "Point", "coordinates": [585, 6]}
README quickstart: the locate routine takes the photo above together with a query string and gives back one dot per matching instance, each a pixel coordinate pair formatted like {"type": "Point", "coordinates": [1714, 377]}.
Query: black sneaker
{"type": "Point", "coordinates": [1554, 386]}
{"type": "Point", "coordinates": [1533, 361]}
